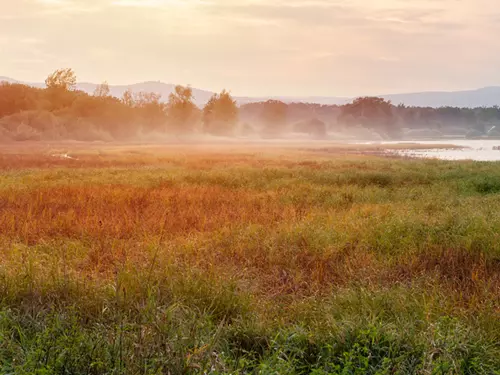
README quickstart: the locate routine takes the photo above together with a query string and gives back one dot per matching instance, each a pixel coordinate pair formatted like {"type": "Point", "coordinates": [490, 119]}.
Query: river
{"type": "Point", "coordinates": [479, 150]}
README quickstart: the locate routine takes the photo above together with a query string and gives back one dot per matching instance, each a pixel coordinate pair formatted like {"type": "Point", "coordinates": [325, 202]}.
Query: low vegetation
{"type": "Point", "coordinates": [278, 260]}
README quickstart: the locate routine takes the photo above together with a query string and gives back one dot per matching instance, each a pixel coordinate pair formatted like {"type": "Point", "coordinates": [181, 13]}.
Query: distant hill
{"type": "Point", "coordinates": [165, 89]}
{"type": "Point", "coordinates": [7, 79]}
{"type": "Point", "coordinates": [484, 97]}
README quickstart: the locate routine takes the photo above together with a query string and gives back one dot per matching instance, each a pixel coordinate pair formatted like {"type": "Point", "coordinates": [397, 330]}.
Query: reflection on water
{"type": "Point", "coordinates": [480, 150]}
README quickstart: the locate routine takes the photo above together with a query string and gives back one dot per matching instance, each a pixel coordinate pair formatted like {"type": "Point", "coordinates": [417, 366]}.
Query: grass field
{"type": "Point", "coordinates": [246, 259]}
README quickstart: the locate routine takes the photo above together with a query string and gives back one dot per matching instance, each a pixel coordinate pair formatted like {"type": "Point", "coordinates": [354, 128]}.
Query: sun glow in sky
{"type": "Point", "coordinates": [258, 47]}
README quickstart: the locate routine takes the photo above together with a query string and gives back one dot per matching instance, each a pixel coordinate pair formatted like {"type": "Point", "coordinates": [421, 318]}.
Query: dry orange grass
{"type": "Point", "coordinates": [248, 246]}
{"type": "Point", "coordinates": [124, 212]}
{"type": "Point", "coordinates": [206, 226]}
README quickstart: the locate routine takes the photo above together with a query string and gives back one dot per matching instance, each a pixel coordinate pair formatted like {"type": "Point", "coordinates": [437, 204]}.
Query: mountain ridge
{"type": "Point", "coordinates": [482, 97]}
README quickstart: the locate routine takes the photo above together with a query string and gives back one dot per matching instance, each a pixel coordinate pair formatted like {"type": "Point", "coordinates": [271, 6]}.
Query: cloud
{"type": "Point", "coordinates": [336, 14]}
{"type": "Point", "coordinates": [53, 2]}
{"type": "Point", "coordinates": [31, 41]}
{"type": "Point", "coordinates": [337, 47]}
{"type": "Point", "coordinates": [28, 61]}
{"type": "Point", "coordinates": [158, 3]}
{"type": "Point", "coordinates": [141, 3]}
{"type": "Point", "coordinates": [62, 7]}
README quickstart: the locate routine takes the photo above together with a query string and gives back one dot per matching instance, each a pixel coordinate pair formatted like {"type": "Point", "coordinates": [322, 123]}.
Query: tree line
{"type": "Point", "coordinates": [60, 112]}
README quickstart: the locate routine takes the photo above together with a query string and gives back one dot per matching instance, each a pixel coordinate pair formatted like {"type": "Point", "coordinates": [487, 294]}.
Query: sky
{"type": "Point", "coordinates": [258, 47]}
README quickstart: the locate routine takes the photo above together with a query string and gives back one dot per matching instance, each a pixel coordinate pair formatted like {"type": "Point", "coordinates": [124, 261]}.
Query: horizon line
{"type": "Point", "coordinates": [342, 97]}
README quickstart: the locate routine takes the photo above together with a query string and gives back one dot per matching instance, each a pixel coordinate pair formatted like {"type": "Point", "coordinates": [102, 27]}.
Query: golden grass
{"type": "Point", "coordinates": [282, 232]}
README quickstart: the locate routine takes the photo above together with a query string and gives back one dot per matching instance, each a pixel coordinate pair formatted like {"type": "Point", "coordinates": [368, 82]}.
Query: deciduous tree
{"type": "Point", "coordinates": [220, 114]}
{"type": "Point", "coordinates": [181, 110]}
{"type": "Point", "coordinates": [102, 90]}
{"type": "Point", "coordinates": [61, 79]}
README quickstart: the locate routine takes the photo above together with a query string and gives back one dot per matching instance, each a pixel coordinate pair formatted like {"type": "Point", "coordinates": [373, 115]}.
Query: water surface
{"type": "Point", "coordinates": [480, 150]}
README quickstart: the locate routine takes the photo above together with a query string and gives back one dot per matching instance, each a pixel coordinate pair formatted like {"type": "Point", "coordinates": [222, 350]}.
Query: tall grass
{"type": "Point", "coordinates": [297, 262]}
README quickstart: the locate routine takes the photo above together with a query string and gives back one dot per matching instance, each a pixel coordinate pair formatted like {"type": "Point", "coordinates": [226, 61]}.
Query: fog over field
{"type": "Point", "coordinates": [61, 111]}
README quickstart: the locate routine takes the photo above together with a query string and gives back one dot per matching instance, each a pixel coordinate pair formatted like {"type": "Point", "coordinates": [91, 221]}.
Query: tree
{"type": "Point", "coordinates": [371, 108]}
{"type": "Point", "coordinates": [64, 79]}
{"type": "Point", "coordinates": [181, 110]}
{"type": "Point", "coordinates": [373, 113]}
{"type": "Point", "coordinates": [60, 91]}
{"type": "Point", "coordinates": [16, 98]}
{"type": "Point", "coordinates": [273, 117]}
{"type": "Point", "coordinates": [315, 127]}
{"type": "Point", "coordinates": [220, 114]}
{"type": "Point", "coordinates": [128, 98]}
{"type": "Point", "coordinates": [151, 109]}
{"type": "Point", "coordinates": [102, 90]}
{"type": "Point", "coordinates": [144, 99]}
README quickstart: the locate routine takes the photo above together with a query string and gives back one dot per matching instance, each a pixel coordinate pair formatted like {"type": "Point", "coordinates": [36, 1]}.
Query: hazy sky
{"type": "Point", "coordinates": [258, 47]}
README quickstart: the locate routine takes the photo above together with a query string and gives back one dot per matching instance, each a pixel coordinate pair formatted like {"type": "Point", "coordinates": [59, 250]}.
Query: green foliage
{"type": "Point", "coordinates": [487, 184]}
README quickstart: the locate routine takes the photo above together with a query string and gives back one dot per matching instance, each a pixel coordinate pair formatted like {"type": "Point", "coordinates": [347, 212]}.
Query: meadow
{"type": "Point", "coordinates": [246, 259]}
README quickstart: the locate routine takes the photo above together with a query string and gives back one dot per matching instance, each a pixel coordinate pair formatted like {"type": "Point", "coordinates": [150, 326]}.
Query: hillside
{"type": "Point", "coordinates": [483, 97]}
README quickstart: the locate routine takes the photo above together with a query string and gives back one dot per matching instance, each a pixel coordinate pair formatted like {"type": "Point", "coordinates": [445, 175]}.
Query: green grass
{"type": "Point", "coordinates": [206, 263]}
